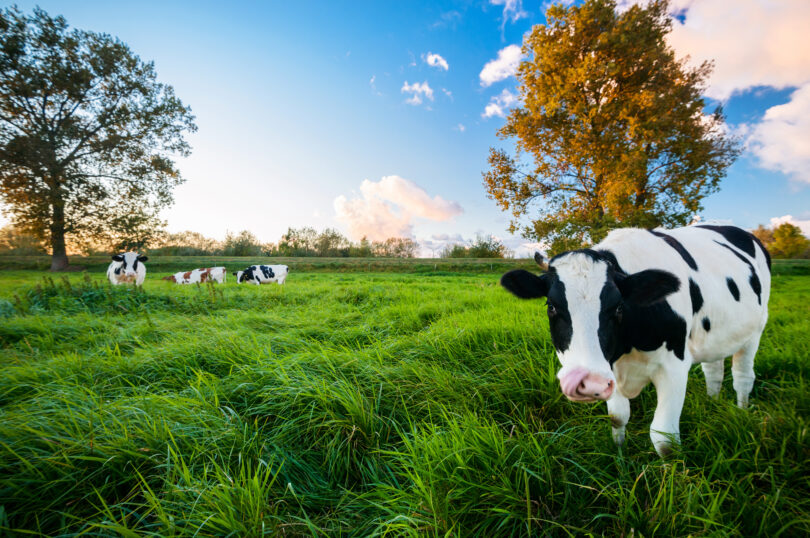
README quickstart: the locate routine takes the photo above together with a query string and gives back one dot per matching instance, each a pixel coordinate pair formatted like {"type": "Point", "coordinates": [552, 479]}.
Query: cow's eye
{"type": "Point", "coordinates": [551, 310]}
{"type": "Point", "coordinates": [618, 313]}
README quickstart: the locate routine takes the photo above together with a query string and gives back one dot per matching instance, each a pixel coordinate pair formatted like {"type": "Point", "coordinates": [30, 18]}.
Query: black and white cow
{"type": "Point", "coordinates": [263, 274]}
{"type": "Point", "coordinates": [644, 305]}
{"type": "Point", "coordinates": [126, 268]}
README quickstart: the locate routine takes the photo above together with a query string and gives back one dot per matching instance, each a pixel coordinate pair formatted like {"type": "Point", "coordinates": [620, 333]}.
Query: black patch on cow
{"type": "Point", "coordinates": [624, 326]}
{"type": "Point", "coordinates": [732, 287]}
{"type": "Point", "coordinates": [559, 318]}
{"type": "Point", "coordinates": [611, 259]}
{"type": "Point", "coordinates": [247, 274]}
{"type": "Point", "coordinates": [707, 326]}
{"type": "Point", "coordinates": [696, 296]}
{"type": "Point", "coordinates": [118, 269]}
{"type": "Point", "coordinates": [764, 251]}
{"type": "Point", "coordinates": [267, 271]}
{"type": "Point", "coordinates": [753, 279]}
{"type": "Point", "coordinates": [679, 248]}
{"type": "Point", "coordinates": [736, 236]}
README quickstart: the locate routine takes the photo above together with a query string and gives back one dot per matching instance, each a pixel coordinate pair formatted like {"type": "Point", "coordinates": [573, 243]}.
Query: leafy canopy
{"type": "Point", "coordinates": [86, 131]}
{"type": "Point", "coordinates": [610, 131]}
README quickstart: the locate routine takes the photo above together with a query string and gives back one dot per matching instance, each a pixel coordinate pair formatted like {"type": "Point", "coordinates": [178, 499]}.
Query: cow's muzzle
{"type": "Point", "coordinates": [580, 385]}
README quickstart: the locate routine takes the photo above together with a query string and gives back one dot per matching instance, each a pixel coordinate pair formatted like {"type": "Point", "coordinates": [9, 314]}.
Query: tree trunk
{"type": "Point", "coordinates": [59, 259]}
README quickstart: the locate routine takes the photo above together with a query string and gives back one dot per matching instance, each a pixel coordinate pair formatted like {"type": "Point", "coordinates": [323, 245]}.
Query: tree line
{"type": "Point", "coordinates": [296, 242]}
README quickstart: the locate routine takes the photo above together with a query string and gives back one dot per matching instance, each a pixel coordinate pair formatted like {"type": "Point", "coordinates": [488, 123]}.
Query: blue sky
{"type": "Point", "coordinates": [299, 103]}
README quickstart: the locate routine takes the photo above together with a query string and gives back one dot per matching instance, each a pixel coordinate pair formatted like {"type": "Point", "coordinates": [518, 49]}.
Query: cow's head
{"type": "Point", "coordinates": [170, 278]}
{"type": "Point", "coordinates": [238, 275]}
{"type": "Point", "coordinates": [128, 267]}
{"type": "Point", "coordinates": [590, 305]}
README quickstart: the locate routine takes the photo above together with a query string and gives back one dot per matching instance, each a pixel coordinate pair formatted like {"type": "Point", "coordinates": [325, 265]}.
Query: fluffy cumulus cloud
{"type": "Point", "coordinates": [755, 43]}
{"type": "Point", "coordinates": [387, 207]}
{"type": "Point", "coordinates": [803, 225]}
{"type": "Point", "coordinates": [502, 67]}
{"type": "Point", "coordinates": [781, 141]}
{"type": "Point", "coordinates": [417, 91]}
{"type": "Point", "coordinates": [435, 60]}
{"type": "Point", "coordinates": [500, 104]}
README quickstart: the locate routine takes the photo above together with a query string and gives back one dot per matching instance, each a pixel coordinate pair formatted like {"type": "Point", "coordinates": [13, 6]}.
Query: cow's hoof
{"type": "Point", "coordinates": [618, 435]}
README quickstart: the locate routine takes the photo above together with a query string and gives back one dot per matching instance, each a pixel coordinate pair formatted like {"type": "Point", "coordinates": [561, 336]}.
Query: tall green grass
{"type": "Point", "coordinates": [366, 405]}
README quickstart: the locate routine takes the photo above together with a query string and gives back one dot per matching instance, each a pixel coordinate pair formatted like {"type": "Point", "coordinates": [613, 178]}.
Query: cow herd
{"type": "Point", "coordinates": [640, 307]}
{"type": "Point", "coordinates": [129, 268]}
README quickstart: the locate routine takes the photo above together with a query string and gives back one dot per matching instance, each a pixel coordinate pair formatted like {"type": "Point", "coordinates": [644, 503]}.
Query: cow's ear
{"type": "Point", "coordinates": [525, 285]}
{"type": "Point", "coordinates": [143, 258]}
{"type": "Point", "coordinates": [234, 273]}
{"type": "Point", "coordinates": [647, 287]}
{"type": "Point", "coordinates": [118, 257]}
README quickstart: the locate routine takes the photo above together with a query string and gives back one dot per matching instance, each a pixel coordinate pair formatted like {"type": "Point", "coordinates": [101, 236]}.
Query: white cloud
{"type": "Point", "coordinates": [781, 141]}
{"type": "Point", "coordinates": [500, 104]}
{"type": "Point", "coordinates": [417, 90]}
{"type": "Point", "coordinates": [512, 10]}
{"type": "Point", "coordinates": [753, 43]}
{"type": "Point", "coordinates": [461, 128]}
{"type": "Point", "coordinates": [448, 93]}
{"type": "Point", "coordinates": [435, 60]}
{"type": "Point", "coordinates": [502, 67]}
{"type": "Point", "coordinates": [803, 225]}
{"type": "Point", "coordinates": [387, 207]}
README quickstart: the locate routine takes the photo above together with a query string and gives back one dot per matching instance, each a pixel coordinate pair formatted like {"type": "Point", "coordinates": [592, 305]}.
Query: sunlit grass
{"type": "Point", "coordinates": [365, 404]}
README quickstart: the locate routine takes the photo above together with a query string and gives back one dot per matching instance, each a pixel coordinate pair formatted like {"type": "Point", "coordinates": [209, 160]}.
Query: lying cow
{"type": "Point", "coordinates": [263, 274]}
{"type": "Point", "coordinates": [127, 268]}
{"type": "Point", "coordinates": [198, 276]}
{"type": "Point", "coordinates": [643, 306]}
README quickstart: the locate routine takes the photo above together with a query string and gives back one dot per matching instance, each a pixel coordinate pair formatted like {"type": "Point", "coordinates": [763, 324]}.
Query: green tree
{"type": "Point", "coordinates": [788, 242]}
{"type": "Point", "coordinates": [187, 243]}
{"type": "Point", "coordinates": [242, 244]}
{"type": "Point", "coordinates": [86, 131]}
{"type": "Point", "coordinates": [395, 247]}
{"type": "Point", "coordinates": [610, 130]}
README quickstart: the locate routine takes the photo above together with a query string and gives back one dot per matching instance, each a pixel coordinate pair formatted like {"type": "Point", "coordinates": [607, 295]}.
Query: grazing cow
{"type": "Point", "coordinates": [126, 268]}
{"type": "Point", "coordinates": [263, 274]}
{"type": "Point", "coordinates": [643, 306]}
{"type": "Point", "coordinates": [198, 276]}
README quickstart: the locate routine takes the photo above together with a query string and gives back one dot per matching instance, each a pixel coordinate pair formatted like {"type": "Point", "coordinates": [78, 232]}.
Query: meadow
{"type": "Point", "coordinates": [366, 404]}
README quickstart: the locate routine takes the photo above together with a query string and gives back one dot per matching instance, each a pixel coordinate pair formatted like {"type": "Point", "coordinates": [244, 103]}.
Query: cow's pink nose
{"type": "Point", "coordinates": [595, 386]}
{"type": "Point", "coordinates": [580, 385]}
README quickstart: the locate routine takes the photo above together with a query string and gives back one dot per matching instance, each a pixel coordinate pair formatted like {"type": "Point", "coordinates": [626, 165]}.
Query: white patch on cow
{"type": "Point", "coordinates": [583, 279]}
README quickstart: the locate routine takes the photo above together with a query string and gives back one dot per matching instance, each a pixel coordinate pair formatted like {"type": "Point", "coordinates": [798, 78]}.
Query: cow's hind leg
{"type": "Point", "coordinates": [742, 370]}
{"type": "Point", "coordinates": [713, 372]}
{"type": "Point", "coordinates": [619, 411]}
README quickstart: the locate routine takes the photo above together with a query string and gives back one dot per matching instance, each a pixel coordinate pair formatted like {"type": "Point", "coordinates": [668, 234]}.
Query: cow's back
{"type": "Point", "coordinates": [725, 281]}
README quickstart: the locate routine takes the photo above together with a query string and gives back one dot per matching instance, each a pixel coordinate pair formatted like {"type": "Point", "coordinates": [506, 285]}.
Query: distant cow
{"type": "Point", "coordinates": [263, 274]}
{"type": "Point", "coordinates": [198, 276]}
{"type": "Point", "coordinates": [643, 306]}
{"type": "Point", "coordinates": [127, 268]}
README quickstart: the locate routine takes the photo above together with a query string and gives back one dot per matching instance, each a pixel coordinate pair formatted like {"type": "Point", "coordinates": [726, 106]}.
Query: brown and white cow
{"type": "Point", "coordinates": [198, 276]}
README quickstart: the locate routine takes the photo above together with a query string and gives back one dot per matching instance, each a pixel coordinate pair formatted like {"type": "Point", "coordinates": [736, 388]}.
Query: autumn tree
{"type": "Point", "coordinates": [86, 130]}
{"type": "Point", "coordinates": [610, 130]}
{"type": "Point", "coordinates": [788, 242]}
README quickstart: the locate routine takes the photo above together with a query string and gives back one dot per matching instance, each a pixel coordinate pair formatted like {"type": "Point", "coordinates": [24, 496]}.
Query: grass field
{"type": "Point", "coordinates": [365, 404]}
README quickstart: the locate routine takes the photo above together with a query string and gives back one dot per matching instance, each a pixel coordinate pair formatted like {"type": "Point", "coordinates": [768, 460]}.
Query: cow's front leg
{"type": "Point", "coordinates": [670, 387]}
{"type": "Point", "coordinates": [619, 411]}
